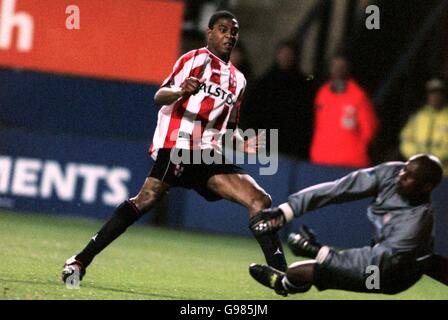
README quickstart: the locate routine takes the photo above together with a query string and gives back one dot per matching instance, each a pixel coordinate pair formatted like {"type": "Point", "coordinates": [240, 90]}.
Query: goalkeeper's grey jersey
{"type": "Point", "coordinates": [398, 225]}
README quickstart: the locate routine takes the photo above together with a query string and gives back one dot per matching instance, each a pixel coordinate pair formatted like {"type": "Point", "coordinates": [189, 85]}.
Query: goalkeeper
{"type": "Point", "coordinates": [401, 214]}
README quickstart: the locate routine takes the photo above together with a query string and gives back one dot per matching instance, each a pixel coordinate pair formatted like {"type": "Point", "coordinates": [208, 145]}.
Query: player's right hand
{"type": "Point", "coordinates": [267, 221]}
{"type": "Point", "coordinates": [190, 86]}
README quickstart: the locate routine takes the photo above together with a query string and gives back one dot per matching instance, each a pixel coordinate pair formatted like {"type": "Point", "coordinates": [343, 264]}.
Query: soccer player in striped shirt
{"type": "Point", "coordinates": [199, 101]}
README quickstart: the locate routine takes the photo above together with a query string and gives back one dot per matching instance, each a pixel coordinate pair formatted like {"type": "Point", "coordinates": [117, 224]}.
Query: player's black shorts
{"type": "Point", "coordinates": [191, 175]}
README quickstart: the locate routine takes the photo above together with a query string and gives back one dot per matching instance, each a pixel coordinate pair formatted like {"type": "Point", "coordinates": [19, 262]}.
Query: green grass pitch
{"type": "Point", "coordinates": [144, 263]}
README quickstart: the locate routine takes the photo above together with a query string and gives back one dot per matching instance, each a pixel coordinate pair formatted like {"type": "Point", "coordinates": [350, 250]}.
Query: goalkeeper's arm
{"type": "Point", "coordinates": [356, 185]}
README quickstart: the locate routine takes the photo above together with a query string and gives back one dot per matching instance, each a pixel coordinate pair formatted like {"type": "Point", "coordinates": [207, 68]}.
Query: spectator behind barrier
{"type": "Point", "coordinates": [345, 121]}
{"type": "Point", "coordinates": [282, 99]}
{"type": "Point", "coordinates": [240, 60]}
{"type": "Point", "coordinates": [427, 130]}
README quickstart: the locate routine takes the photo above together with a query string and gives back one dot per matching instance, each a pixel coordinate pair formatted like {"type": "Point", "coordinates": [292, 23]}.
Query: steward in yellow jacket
{"type": "Point", "coordinates": [427, 130]}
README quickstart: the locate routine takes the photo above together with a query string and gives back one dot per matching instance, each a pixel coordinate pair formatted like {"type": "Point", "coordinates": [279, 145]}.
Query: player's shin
{"type": "Point", "coordinates": [273, 251]}
{"type": "Point", "coordinates": [124, 216]}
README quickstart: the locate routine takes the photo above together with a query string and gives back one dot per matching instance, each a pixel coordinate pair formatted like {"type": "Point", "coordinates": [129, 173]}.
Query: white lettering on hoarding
{"type": "Point", "coordinates": [92, 175]}
{"type": "Point", "coordinates": [48, 179]}
{"type": "Point", "coordinates": [9, 20]}
{"type": "Point", "coordinates": [118, 191]}
{"type": "Point", "coordinates": [54, 180]}
{"type": "Point", "coordinates": [5, 173]}
{"type": "Point", "coordinates": [25, 177]}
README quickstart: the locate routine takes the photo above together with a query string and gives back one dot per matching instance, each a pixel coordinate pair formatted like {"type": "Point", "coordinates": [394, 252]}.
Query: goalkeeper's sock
{"type": "Point", "coordinates": [124, 216]}
{"type": "Point", "coordinates": [273, 251]}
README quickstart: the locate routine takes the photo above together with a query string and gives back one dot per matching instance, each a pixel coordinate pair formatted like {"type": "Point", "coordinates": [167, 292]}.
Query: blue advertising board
{"type": "Point", "coordinates": [67, 174]}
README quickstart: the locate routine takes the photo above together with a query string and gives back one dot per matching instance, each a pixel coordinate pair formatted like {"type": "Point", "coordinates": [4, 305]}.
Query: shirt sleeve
{"type": "Point", "coordinates": [181, 70]}
{"type": "Point", "coordinates": [354, 186]}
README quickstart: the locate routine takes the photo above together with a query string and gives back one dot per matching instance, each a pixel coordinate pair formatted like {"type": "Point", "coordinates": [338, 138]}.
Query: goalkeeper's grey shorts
{"type": "Point", "coordinates": [354, 269]}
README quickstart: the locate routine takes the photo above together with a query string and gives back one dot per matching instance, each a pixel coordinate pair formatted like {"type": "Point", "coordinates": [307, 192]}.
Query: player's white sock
{"type": "Point", "coordinates": [288, 213]}
{"type": "Point", "coordinates": [322, 254]}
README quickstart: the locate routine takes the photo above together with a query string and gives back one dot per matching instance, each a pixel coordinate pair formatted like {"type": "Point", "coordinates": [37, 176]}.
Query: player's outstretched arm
{"type": "Point", "coordinates": [357, 185]}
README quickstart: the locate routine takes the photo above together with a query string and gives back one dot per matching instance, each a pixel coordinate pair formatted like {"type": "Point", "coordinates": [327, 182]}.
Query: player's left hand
{"type": "Point", "coordinates": [256, 143]}
{"type": "Point", "coordinates": [190, 86]}
{"type": "Point", "coordinates": [267, 221]}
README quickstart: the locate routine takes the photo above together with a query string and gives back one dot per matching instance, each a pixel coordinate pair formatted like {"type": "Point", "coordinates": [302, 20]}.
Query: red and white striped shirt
{"type": "Point", "coordinates": [198, 122]}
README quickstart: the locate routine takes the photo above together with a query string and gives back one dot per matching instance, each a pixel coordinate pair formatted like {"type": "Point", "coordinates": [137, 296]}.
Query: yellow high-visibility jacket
{"type": "Point", "coordinates": [427, 132]}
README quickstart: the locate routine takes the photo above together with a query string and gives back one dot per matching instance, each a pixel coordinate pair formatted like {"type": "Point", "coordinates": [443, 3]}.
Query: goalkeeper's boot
{"type": "Point", "coordinates": [304, 243]}
{"type": "Point", "coordinates": [73, 272]}
{"type": "Point", "coordinates": [269, 277]}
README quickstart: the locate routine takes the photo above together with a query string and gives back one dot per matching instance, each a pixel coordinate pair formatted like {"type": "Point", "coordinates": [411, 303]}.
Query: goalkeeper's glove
{"type": "Point", "coordinates": [267, 221]}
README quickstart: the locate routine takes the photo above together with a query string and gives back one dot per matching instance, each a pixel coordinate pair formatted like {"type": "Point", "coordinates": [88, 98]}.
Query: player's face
{"type": "Point", "coordinates": [222, 37]}
{"type": "Point", "coordinates": [409, 181]}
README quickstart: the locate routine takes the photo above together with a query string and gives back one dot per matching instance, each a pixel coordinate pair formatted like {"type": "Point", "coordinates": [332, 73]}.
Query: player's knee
{"type": "Point", "coordinates": [260, 202]}
{"type": "Point", "coordinates": [146, 200]}
{"type": "Point", "coordinates": [267, 201]}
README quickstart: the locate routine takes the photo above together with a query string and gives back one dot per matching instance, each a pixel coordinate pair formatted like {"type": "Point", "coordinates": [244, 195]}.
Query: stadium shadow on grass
{"type": "Point", "coordinates": [58, 284]}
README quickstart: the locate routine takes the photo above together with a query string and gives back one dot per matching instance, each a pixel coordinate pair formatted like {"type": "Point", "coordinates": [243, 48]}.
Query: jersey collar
{"type": "Point", "coordinates": [214, 55]}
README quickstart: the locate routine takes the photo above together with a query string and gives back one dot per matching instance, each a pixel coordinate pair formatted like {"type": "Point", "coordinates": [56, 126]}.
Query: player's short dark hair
{"type": "Point", "coordinates": [219, 15]}
{"type": "Point", "coordinates": [434, 173]}
{"type": "Point", "coordinates": [431, 167]}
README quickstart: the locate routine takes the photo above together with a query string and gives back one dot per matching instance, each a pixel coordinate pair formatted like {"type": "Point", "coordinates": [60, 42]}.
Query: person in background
{"type": "Point", "coordinates": [427, 130]}
{"type": "Point", "coordinates": [345, 122]}
{"type": "Point", "coordinates": [282, 99]}
{"type": "Point", "coordinates": [240, 60]}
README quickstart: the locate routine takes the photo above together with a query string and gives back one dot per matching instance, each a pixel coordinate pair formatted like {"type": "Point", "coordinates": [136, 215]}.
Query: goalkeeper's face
{"type": "Point", "coordinates": [412, 180]}
{"type": "Point", "coordinates": [407, 181]}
